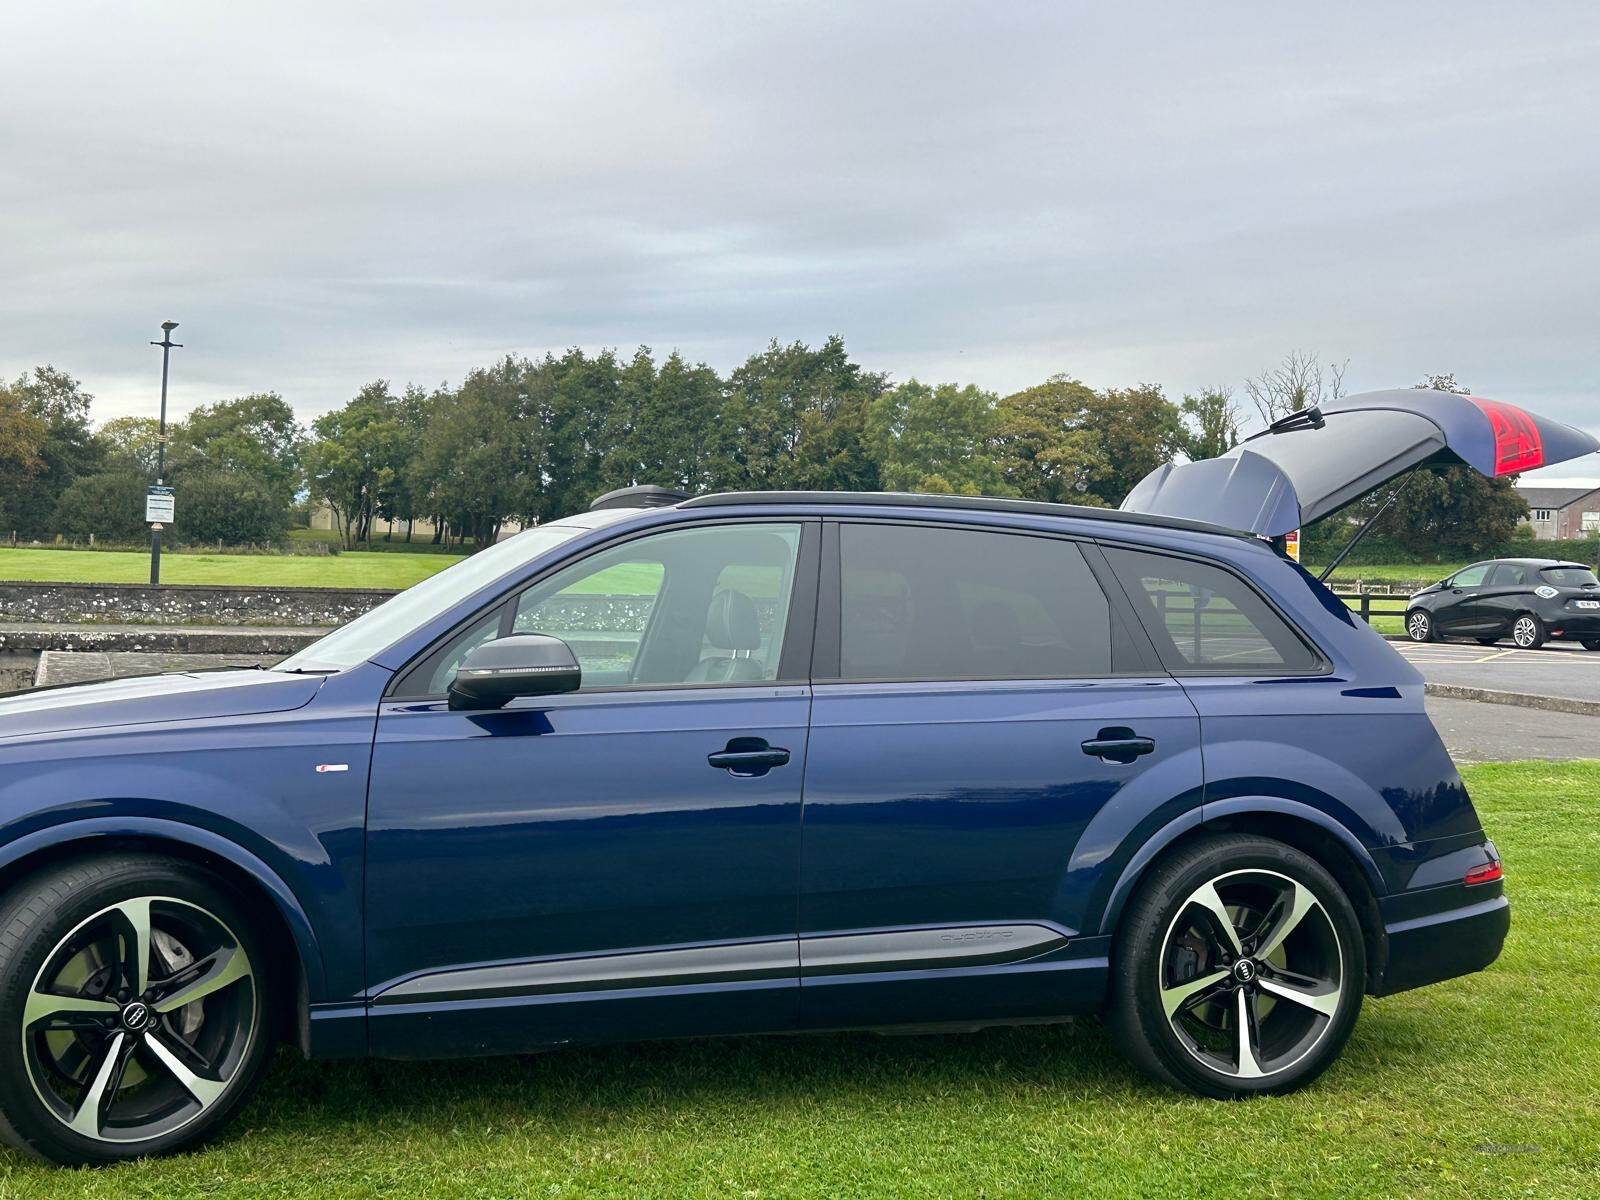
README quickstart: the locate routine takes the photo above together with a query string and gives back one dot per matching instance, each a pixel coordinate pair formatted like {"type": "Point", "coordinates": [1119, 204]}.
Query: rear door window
{"type": "Point", "coordinates": [1507, 575]}
{"type": "Point", "coordinates": [1204, 618]}
{"type": "Point", "coordinates": [929, 603]}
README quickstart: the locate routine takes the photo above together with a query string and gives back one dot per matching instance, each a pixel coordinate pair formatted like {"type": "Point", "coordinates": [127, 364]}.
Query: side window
{"type": "Point", "coordinates": [1507, 575]}
{"type": "Point", "coordinates": [705, 605]}
{"type": "Point", "coordinates": [1469, 576]}
{"type": "Point", "coordinates": [919, 602]}
{"type": "Point", "coordinates": [1201, 616]}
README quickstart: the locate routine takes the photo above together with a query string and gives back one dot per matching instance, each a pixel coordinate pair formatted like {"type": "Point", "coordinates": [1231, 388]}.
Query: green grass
{"type": "Point", "coordinates": [1392, 572]}
{"type": "Point", "coordinates": [1482, 1087]}
{"type": "Point", "coordinates": [354, 570]}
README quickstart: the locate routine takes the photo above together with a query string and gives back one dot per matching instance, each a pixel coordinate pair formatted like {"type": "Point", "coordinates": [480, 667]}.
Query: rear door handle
{"type": "Point", "coordinates": [748, 757]}
{"type": "Point", "coordinates": [1119, 744]}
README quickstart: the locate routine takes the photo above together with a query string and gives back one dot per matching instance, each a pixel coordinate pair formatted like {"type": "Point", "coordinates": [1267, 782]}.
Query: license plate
{"type": "Point", "coordinates": [1586, 603]}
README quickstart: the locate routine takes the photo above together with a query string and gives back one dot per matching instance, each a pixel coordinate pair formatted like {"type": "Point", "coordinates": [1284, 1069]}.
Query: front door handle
{"type": "Point", "coordinates": [1119, 744]}
{"type": "Point", "coordinates": [748, 757]}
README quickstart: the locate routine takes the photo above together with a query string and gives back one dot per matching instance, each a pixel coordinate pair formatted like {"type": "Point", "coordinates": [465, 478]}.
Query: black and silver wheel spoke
{"type": "Point", "coordinates": [68, 1012]}
{"type": "Point", "coordinates": [132, 918]}
{"type": "Point", "coordinates": [197, 981]}
{"type": "Point", "coordinates": [102, 1089]}
{"type": "Point", "coordinates": [1251, 973]}
{"type": "Point", "coordinates": [198, 1086]}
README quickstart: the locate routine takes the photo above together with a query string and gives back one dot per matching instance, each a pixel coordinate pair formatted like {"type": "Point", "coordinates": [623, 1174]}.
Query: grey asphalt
{"type": "Point", "coordinates": [1559, 669]}
{"type": "Point", "coordinates": [1478, 732]}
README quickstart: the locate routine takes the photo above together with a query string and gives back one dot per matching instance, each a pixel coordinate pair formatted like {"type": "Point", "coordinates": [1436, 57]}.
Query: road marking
{"type": "Point", "coordinates": [1502, 654]}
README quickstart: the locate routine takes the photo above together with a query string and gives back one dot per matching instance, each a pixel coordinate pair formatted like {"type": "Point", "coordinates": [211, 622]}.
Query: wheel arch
{"type": "Point", "coordinates": [1308, 830]}
{"type": "Point", "coordinates": [288, 931]}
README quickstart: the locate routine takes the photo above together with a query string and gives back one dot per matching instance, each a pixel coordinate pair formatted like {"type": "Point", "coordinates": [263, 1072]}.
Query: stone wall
{"type": "Point", "coordinates": [183, 604]}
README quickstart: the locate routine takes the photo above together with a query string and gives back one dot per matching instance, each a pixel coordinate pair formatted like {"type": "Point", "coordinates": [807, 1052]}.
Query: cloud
{"type": "Point", "coordinates": [988, 193]}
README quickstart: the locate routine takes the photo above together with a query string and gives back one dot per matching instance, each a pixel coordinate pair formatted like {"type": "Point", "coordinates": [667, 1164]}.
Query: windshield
{"type": "Point", "coordinates": [1578, 577]}
{"type": "Point", "coordinates": [396, 617]}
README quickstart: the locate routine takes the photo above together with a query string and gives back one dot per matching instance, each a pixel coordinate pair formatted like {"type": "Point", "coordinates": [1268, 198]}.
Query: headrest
{"type": "Point", "coordinates": [731, 622]}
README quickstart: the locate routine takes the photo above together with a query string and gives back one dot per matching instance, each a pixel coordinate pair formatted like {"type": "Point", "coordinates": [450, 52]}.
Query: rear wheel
{"type": "Point", "coordinates": [1591, 644]}
{"type": "Point", "coordinates": [1528, 632]}
{"type": "Point", "coordinates": [1419, 626]}
{"type": "Point", "coordinates": [1239, 970]}
{"type": "Point", "coordinates": [132, 1009]}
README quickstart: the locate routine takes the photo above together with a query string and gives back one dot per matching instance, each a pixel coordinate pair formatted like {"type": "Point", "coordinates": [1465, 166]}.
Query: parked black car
{"type": "Point", "coordinates": [1529, 600]}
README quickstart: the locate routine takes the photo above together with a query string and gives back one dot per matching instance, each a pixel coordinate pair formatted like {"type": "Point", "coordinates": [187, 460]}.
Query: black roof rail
{"type": "Point", "coordinates": [645, 495]}
{"type": "Point", "coordinates": [1082, 512]}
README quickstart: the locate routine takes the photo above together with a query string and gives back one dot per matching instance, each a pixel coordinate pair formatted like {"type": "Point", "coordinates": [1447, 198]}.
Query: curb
{"type": "Point", "coordinates": [1451, 691]}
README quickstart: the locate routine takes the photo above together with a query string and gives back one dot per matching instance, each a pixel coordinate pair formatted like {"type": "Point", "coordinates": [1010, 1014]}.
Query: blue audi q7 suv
{"type": "Point", "coordinates": [761, 762]}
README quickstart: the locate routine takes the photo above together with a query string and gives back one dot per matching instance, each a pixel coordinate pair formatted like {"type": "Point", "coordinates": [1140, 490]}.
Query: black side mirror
{"type": "Point", "coordinates": [525, 664]}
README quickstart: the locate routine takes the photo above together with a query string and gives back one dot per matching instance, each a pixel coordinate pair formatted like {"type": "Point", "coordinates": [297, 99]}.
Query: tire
{"type": "Point", "coordinates": [1419, 626]}
{"type": "Point", "coordinates": [1592, 644]}
{"type": "Point", "coordinates": [169, 1077]}
{"type": "Point", "coordinates": [1170, 941]}
{"type": "Point", "coordinates": [1528, 631]}
{"type": "Point", "coordinates": [1487, 641]}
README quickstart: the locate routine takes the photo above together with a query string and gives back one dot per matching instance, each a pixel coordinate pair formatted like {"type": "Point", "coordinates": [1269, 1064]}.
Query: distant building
{"type": "Point", "coordinates": [1562, 512]}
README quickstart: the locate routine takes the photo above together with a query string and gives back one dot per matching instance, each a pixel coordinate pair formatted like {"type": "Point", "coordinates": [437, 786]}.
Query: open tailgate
{"type": "Point", "coordinates": [1314, 463]}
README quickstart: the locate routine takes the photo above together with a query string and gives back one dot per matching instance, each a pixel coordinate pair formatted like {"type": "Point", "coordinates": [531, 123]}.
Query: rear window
{"type": "Point", "coordinates": [925, 603]}
{"type": "Point", "coordinates": [1569, 577]}
{"type": "Point", "coordinates": [1204, 618]}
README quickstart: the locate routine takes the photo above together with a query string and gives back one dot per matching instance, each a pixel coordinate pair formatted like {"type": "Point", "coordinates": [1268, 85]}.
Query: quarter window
{"type": "Point", "coordinates": [1203, 617]}
{"type": "Point", "coordinates": [924, 603]}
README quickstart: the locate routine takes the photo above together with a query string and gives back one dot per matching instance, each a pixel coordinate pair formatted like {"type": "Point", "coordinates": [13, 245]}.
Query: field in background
{"type": "Point", "coordinates": [1482, 1086]}
{"type": "Point", "coordinates": [354, 570]}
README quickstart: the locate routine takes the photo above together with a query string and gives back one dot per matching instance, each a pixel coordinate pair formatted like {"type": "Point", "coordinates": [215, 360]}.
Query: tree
{"type": "Point", "coordinates": [406, 496]}
{"type": "Point", "coordinates": [130, 444]}
{"type": "Point", "coordinates": [1298, 382]}
{"type": "Point", "coordinates": [1041, 447]}
{"type": "Point", "coordinates": [936, 439]}
{"type": "Point", "coordinates": [1065, 442]}
{"type": "Point", "coordinates": [1211, 424]}
{"type": "Point", "coordinates": [22, 437]}
{"type": "Point", "coordinates": [255, 435]}
{"type": "Point", "coordinates": [574, 399]}
{"type": "Point", "coordinates": [482, 450]}
{"type": "Point", "coordinates": [796, 418]}
{"type": "Point", "coordinates": [54, 402]}
{"type": "Point", "coordinates": [354, 455]}
{"type": "Point", "coordinates": [677, 425]}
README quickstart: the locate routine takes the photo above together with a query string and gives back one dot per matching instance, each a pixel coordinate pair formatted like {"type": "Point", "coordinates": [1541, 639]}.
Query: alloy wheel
{"type": "Point", "coordinates": [1252, 973]}
{"type": "Point", "coordinates": [1417, 626]}
{"type": "Point", "coordinates": [138, 1020]}
{"type": "Point", "coordinates": [1525, 633]}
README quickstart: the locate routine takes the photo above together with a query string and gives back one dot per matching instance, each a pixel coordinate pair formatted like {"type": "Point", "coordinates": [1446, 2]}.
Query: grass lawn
{"type": "Point", "coordinates": [1484, 1086]}
{"type": "Point", "coordinates": [356, 570]}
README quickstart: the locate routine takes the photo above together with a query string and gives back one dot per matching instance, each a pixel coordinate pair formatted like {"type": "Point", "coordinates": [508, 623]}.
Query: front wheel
{"type": "Point", "coordinates": [132, 1009]}
{"type": "Point", "coordinates": [1528, 632]}
{"type": "Point", "coordinates": [1419, 626]}
{"type": "Point", "coordinates": [1239, 970]}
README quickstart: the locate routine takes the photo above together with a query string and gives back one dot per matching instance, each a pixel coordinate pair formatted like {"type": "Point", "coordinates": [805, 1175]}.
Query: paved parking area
{"type": "Point", "coordinates": [1560, 669]}
{"type": "Point", "coordinates": [1478, 732]}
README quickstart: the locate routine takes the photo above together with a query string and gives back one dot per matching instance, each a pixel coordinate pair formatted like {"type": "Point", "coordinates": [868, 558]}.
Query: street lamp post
{"type": "Point", "coordinates": [166, 343]}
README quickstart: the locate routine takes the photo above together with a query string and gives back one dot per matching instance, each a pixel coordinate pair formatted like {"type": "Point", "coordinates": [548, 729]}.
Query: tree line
{"type": "Point", "coordinates": [531, 439]}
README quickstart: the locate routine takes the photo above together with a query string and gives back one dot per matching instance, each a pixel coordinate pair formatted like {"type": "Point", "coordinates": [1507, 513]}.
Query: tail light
{"type": "Point", "coordinates": [1487, 873]}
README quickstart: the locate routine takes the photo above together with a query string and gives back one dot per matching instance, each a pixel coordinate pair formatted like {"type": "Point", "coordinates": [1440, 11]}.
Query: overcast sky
{"type": "Point", "coordinates": [987, 192]}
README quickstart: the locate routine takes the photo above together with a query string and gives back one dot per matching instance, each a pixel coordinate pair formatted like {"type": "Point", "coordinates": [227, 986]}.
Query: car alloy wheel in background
{"type": "Point", "coordinates": [1527, 631]}
{"type": "Point", "coordinates": [1419, 626]}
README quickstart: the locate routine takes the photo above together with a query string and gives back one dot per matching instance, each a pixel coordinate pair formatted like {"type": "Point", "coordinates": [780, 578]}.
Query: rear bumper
{"type": "Point", "coordinates": [1441, 945]}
